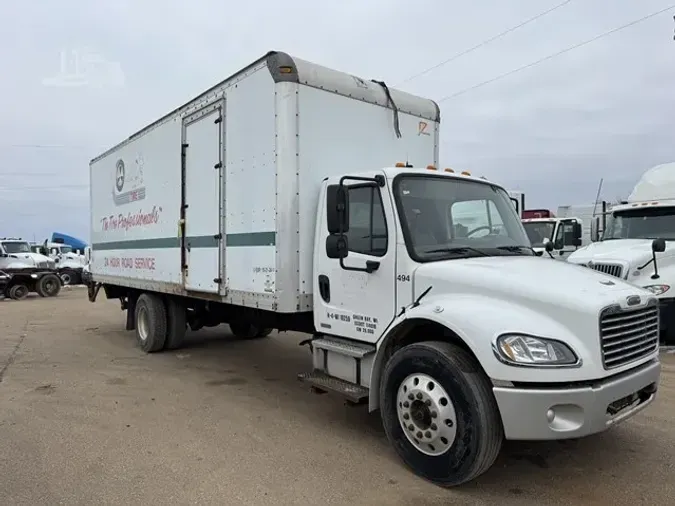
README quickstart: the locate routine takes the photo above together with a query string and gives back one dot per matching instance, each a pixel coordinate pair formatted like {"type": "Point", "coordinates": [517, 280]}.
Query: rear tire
{"type": "Point", "coordinates": [176, 319]}
{"type": "Point", "coordinates": [247, 330]}
{"type": "Point", "coordinates": [450, 432]}
{"type": "Point", "coordinates": [151, 322]}
{"type": "Point", "coordinates": [48, 285]}
{"type": "Point", "coordinates": [18, 292]}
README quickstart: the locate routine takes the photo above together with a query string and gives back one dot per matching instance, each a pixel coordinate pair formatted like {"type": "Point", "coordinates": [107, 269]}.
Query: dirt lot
{"type": "Point", "coordinates": [86, 418]}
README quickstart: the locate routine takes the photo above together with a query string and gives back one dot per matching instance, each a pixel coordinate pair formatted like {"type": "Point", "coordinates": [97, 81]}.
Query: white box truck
{"type": "Point", "coordinates": [638, 242]}
{"type": "Point", "coordinates": [274, 201]}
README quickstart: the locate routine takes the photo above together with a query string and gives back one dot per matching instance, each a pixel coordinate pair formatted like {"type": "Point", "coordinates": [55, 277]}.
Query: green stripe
{"type": "Point", "coordinates": [203, 241]}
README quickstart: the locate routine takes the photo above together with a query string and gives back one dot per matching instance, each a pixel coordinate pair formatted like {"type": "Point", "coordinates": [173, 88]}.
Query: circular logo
{"type": "Point", "coordinates": [119, 175]}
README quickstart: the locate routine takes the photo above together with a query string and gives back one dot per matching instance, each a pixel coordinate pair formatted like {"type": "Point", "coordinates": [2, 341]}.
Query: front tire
{"type": "Point", "coordinates": [439, 413]}
{"type": "Point", "coordinates": [151, 322]}
{"type": "Point", "coordinates": [70, 277]}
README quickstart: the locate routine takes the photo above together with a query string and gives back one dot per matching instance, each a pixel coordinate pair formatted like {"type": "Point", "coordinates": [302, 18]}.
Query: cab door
{"type": "Point", "coordinates": [355, 297]}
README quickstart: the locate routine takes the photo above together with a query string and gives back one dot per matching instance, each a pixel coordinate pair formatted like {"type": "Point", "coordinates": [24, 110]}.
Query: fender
{"type": "Point", "coordinates": [476, 321]}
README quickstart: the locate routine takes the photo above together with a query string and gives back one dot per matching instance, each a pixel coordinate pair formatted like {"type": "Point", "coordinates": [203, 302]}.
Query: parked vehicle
{"type": "Point", "coordinates": [69, 264]}
{"type": "Point", "coordinates": [565, 235]}
{"type": "Point", "coordinates": [271, 201]}
{"type": "Point", "coordinates": [638, 243]}
{"type": "Point", "coordinates": [26, 270]}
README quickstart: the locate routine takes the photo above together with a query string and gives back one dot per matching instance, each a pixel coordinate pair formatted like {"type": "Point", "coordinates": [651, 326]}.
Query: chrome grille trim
{"type": "Point", "coordinates": [627, 335]}
{"type": "Point", "coordinates": [615, 270]}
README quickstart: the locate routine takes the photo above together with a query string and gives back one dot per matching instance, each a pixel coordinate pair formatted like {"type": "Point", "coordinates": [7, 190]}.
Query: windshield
{"type": "Point", "coordinates": [641, 223]}
{"type": "Point", "coordinates": [445, 217]}
{"type": "Point", "coordinates": [537, 231]}
{"type": "Point", "coordinates": [16, 247]}
{"type": "Point", "coordinates": [66, 249]}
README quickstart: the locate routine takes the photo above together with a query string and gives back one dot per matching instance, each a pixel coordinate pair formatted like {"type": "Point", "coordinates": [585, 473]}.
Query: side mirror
{"type": "Point", "coordinates": [337, 246]}
{"type": "Point", "coordinates": [337, 209]}
{"type": "Point", "coordinates": [576, 234]}
{"type": "Point", "coordinates": [595, 229]}
{"type": "Point", "coordinates": [659, 245]}
{"type": "Point", "coordinates": [548, 245]}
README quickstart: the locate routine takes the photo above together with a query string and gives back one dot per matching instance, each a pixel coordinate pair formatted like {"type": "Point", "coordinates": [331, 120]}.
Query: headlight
{"type": "Point", "coordinates": [524, 350]}
{"type": "Point", "coordinates": [657, 289]}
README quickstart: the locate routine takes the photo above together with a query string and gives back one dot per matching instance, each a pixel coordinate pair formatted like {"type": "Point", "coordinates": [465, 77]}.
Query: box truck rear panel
{"type": "Point", "coordinates": [247, 158]}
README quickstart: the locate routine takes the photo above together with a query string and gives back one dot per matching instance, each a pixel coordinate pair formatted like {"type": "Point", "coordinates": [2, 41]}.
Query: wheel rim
{"type": "Point", "coordinates": [426, 414]}
{"type": "Point", "coordinates": [66, 279]}
{"type": "Point", "coordinates": [20, 292]}
{"type": "Point", "coordinates": [143, 324]}
{"type": "Point", "coordinates": [50, 286]}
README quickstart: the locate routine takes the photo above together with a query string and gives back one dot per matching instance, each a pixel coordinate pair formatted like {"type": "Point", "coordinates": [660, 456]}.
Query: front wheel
{"type": "Point", "coordinates": [70, 277]}
{"type": "Point", "coordinates": [439, 413]}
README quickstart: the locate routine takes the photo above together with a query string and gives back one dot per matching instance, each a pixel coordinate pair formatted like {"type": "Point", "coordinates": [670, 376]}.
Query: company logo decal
{"type": "Point", "coordinates": [633, 300]}
{"type": "Point", "coordinates": [128, 185]}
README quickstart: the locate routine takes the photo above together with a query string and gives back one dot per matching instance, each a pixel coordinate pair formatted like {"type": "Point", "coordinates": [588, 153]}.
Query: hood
{"type": "Point", "coordinates": [30, 259]}
{"type": "Point", "coordinates": [625, 251]}
{"type": "Point", "coordinates": [531, 281]}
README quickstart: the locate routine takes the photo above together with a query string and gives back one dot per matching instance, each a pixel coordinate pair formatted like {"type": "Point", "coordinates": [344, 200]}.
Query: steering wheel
{"type": "Point", "coordinates": [484, 227]}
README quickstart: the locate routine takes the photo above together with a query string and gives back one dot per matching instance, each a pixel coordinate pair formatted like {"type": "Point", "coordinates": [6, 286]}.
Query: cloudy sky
{"type": "Point", "coordinates": [605, 110]}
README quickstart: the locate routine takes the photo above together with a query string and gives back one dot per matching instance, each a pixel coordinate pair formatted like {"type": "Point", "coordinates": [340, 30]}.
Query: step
{"type": "Point", "coordinates": [343, 346]}
{"type": "Point", "coordinates": [321, 381]}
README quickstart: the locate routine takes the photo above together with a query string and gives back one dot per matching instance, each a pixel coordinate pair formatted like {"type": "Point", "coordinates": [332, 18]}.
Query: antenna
{"type": "Point", "coordinates": [597, 197]}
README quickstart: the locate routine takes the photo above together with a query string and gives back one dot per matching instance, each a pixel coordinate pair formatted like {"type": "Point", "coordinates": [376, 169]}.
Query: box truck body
{"type": "Point", "coordinates": [295, 197]}
{"type": "Point", "coordinates": [241, 164]}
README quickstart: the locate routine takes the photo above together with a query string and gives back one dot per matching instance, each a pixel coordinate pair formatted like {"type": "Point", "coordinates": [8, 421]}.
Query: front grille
{"type": "Point", "coordinates": [628, 335]}
{"type": "Point", "coordinates": [611, 269]}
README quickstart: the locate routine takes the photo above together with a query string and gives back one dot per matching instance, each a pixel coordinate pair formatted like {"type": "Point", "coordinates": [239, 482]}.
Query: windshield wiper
{"type": "Point", "coordinates": [518, 248]}
{"type": "Point", "coordinates": [458, 249]}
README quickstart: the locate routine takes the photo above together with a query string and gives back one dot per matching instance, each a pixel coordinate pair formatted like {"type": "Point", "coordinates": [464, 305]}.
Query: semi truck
{"type": "Point", "coordinates": [562, 235]}
{"type": "Point", "coordinates": [638, 241]}
{"type": "Point", "coordinates": [24, 271]}
{"type": "Point", "coordinates": [294, 197]}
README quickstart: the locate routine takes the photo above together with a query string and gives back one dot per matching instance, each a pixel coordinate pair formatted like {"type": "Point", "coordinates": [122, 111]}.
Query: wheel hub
{"type": "Point", "coordinates": [143, 324]}
{"type": "Point", "coordinates": [426, 414]}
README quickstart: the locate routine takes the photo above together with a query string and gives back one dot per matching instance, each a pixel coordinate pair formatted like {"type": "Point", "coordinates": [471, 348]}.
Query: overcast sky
{"type": "Point", "coordinates": [605, 110]}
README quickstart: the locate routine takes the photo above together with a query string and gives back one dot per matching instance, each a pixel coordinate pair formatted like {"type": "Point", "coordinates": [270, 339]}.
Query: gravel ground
{"type": "Point", "coordinates": [86, 418]}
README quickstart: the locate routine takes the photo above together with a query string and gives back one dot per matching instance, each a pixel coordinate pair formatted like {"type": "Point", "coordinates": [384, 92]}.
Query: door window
{"type": "Point", "coordinates": [367, 224]}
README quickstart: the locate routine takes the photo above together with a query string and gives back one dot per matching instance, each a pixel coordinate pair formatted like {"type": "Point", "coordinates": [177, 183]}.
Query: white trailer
{"type": "Point", "coordinates": [638, 242]}
{"type": "Point", "coordinates": [263, 204]}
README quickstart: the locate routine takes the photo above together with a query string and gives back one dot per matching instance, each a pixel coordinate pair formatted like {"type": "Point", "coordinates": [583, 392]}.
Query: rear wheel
{"type": "Point", "coordinates": [439, 413]}
{"type": "Point", "coordinates": [151, 322]}
{"type": "Point", "coordinates": [247, 330]}
{"type": "Point", "coordinates": [176, 318]}
{"type": "Point", "coordinates": [18, 292]}
{"type": "Point", "coordinates": [48, 285]}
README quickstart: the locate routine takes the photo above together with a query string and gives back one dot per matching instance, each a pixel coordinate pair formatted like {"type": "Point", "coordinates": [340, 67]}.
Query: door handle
{"type": "Point", "coordinates": [324, 287]}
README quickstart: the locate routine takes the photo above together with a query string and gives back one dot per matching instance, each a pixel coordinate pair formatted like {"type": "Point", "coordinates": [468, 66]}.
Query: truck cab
{"type": "Point", "coordinates": [421, 275]}
{"type": "Point", "coordinates": [15, 253]}
{"type": "Point", "coordinates": [69, 263]}
{"type": "Point", "coordinates": [637, 243]}
{"type": "Point", "coordinates": [543, 227]}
